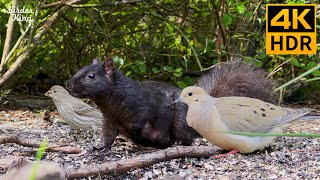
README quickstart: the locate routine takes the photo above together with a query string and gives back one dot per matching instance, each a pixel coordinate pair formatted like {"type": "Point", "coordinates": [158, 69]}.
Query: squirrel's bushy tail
{"type": "Point", "coordinates": [236, 78]}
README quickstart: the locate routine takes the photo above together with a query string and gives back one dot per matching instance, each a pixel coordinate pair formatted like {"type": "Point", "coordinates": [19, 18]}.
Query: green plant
{"type": "Point", "coordinates": [35, 168]}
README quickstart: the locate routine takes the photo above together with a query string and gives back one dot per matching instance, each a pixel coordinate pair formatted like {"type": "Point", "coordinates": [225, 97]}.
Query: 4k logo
{"type": "Point", "coordinates": [291, 29]}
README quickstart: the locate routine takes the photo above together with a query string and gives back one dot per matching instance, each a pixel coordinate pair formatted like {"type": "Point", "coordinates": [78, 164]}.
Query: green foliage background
{"type": "Point", "coordinates": [157, 39]}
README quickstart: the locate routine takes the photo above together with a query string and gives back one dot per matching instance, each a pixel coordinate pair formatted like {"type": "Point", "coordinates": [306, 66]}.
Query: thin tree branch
{"type": "Point", "coordinates": [23, 35]}
{"type": "Point", "coordinates": [29, 143]}
{"type": "Point", "coordinates": [221, 27]}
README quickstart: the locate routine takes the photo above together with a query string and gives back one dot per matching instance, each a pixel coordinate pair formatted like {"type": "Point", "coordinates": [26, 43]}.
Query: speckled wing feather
{"type": "Point", "coordinates": [291, 114]}
{"type": "Point", "coordinates": [253, 115]}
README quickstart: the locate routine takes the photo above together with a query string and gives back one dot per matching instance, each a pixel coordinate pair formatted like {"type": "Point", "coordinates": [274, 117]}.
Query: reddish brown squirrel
{"type": "Point", "coordinates": [144, 110]}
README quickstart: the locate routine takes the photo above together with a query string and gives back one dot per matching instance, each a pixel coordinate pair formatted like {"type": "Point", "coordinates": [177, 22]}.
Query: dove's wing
{"type": "Point", "coordinates": [253, 115]}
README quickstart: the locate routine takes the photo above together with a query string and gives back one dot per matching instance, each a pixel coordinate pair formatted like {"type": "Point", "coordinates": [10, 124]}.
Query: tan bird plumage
{"type": "Point", "coordinates": [212, 117]}
{"type": "Point", "coordinates": [74, 111]}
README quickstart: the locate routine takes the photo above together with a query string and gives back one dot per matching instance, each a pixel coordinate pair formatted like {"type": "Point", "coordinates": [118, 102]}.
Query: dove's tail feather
{"type": "Point", "coordinates": [311, 117]}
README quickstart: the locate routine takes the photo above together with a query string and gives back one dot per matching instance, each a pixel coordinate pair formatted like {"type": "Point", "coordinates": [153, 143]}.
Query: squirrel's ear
{"type": "Point", "coordinates": [96, 60]}
{"type": "Point", "coordinates": [109, 68]}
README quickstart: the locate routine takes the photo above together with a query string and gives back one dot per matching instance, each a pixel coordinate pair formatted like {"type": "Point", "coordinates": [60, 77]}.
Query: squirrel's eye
{"type": "Point", "coordinates": [54, 91]}
{"type": "Point", "coordinates": [91, 75]}
{"type": "Point", "coordinates": [190, 93]}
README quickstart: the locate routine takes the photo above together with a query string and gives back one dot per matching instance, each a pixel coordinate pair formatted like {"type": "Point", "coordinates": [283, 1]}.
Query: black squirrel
{"type": "Point", "coordinates": [144, 110]}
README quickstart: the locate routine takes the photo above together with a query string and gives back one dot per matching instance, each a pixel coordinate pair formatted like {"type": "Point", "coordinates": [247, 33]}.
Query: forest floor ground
{"type": "Point", "coordinates": [286, 157]}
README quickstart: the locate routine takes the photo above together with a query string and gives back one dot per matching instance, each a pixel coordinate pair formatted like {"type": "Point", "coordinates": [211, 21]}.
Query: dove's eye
{"type": "Point", "coordinates": [54, 91]}
{"type": "Point", "coordinates": [190, 93]}
{"type": "Point", "coordinates": [91, 75]}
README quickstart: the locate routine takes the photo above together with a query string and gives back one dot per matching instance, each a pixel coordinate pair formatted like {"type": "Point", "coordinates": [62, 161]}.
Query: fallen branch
{"type": "Point", "coordinates": [29, 143]}
{"type": "Point", "coordinates": [141, 161]}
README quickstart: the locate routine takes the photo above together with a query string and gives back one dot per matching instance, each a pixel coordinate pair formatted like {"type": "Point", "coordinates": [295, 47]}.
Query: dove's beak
{"type": "Point", "coordinates": [177, 100]}
{"type": "Point", "coordinates": [48, 93]}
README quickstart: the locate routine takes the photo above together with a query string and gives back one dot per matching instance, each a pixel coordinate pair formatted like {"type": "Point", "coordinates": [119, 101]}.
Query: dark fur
{"type": "Point", "coordinates": [238, 79]}
{"type": "Point", "coordinates": [144, 111]}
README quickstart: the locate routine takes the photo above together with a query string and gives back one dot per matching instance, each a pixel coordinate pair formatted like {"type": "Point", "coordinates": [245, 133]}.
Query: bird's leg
{"type": "Point", "coordinates": [78, 130]}
{"type": "Point", "coordinates": [94, 134]}
{"type": "Point", "coordinates": [94, 130]}
{"type": "Point", "coordinates": [226, 154]}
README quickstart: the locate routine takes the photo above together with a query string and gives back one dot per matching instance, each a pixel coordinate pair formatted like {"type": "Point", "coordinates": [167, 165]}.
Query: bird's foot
{"type": "Point", "coordinates": [226, 154]}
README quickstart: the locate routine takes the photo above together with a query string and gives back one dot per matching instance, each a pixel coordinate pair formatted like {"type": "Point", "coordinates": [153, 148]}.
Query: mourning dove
{"type": "Point", "coordinates": [74, 111]}
{"type": "Point", "coordinates": [212, 117]}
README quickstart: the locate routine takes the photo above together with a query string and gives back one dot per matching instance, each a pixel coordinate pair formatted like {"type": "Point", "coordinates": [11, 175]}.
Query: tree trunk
{"type": "Point", "coordinates": [7, 42]}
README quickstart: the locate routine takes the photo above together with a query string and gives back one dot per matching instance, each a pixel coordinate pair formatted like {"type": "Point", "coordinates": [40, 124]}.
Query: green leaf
{"type": "Point", "coordinates": [262, 56]}
{"type": "Point", "coordinates": [170, 28]}
{"type": "Point", "coordinates": [168, 68]}
{"type": "Point", "coordinates": [177, 74]}
{"type": "Point", "coordinates": [179, 69]}
{"type": "Point", "coordinates": [316, 73]}
{"type": "Point", "coordinates": [177, 40]}
{"type": "Point", "coordinates": [311, 65]}
{"type": "Point", "coordinates": [295, 62]}
{"type": "Point", "coordinates": [155, 70]}
{"type": "Point", "coordinates": [79, 19]}
{"type": "Point", "coordinates": [143, 68]}
{"type": "Point", "coordinates": [227, 20]}
{"type": "Point", "coordinates": [134, 69]}
{"type": "Point", "coordinates": [128, 73]}
{"type": "Point", "coordinates": [241, 8]}
{"type": "Point", "coordinates": [139, 62]}
{"type": "Point", "coordinates": [189, 51]}
{"type": "Point", "coordinates": [118, 60]}
{"type": "Point", "coordinates": [181, 84]}
{"type": "Point", "coordinates": [281, 57]}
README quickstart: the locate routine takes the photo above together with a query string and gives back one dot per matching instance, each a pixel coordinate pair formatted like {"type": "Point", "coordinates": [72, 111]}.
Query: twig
{"type": "Point", "coordinates": [29, 143]}
{"type": "Point", "coordinates": [141, 161]}
{"type": "Point", "coordinates": [221, 27]}
{"type": "Point", "coordinates": [278, 68]}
